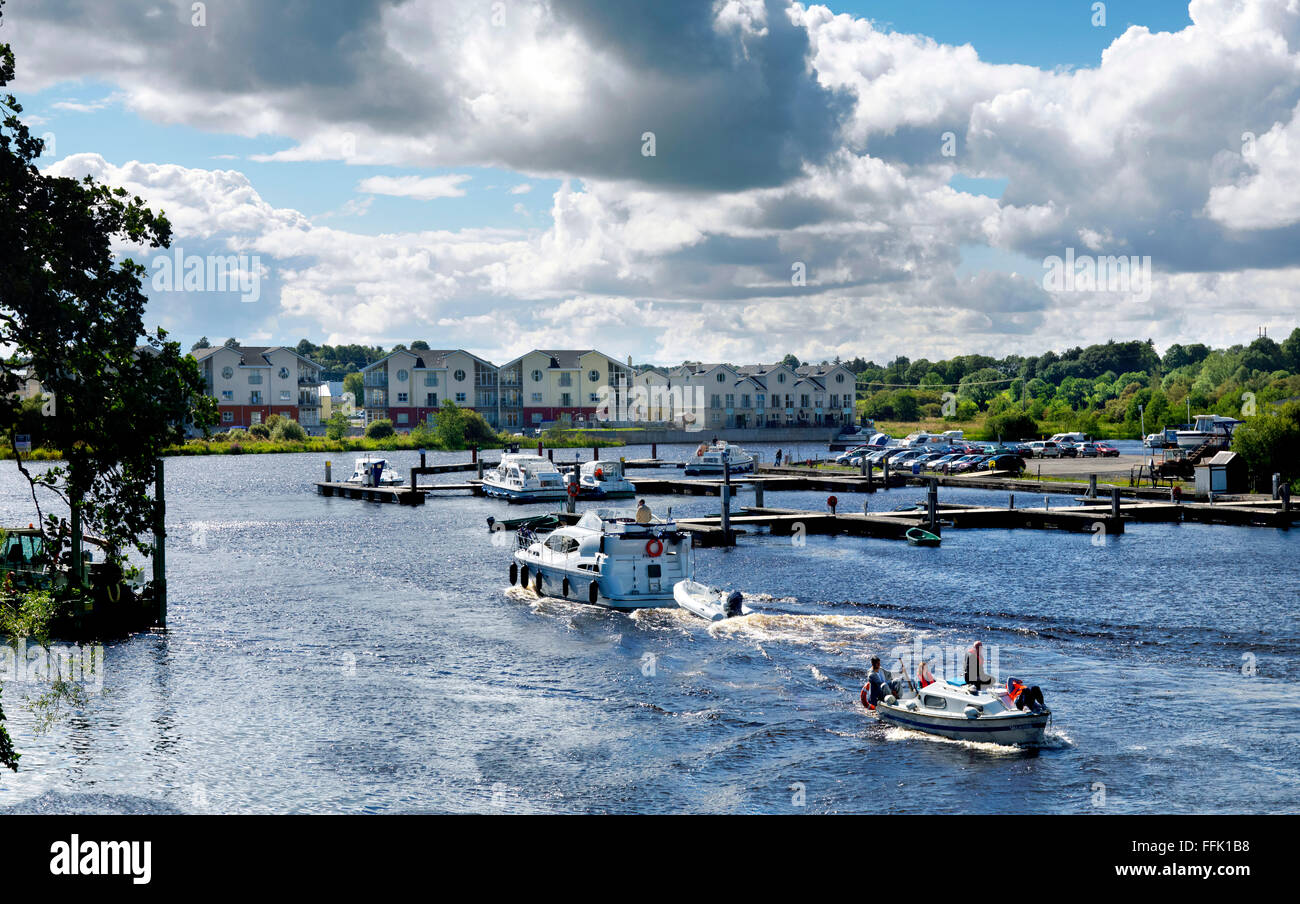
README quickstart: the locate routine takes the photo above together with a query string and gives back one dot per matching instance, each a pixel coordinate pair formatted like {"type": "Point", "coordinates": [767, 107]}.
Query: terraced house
{"type": "Point", "coordinates": [251, 383]}
{"type": "Point", "coordinates": [410, 386]}
{"type": "Point", "coordinates": [771, 395]}
{"type": "Point", "coordinates": [559, 385]}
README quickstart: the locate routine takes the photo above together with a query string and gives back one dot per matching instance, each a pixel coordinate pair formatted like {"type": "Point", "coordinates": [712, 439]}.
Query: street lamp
{"type": "Point", "coordinates": [1143, 415]}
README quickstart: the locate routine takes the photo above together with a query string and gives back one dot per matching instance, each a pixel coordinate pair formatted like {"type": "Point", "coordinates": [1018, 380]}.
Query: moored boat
{"type": "Point", "coordinates": [918, 536]}
{"type": "Point", "coordinates": [602, 479]}
{"type": "Point", "coordinates": [720, 457]}
{"type": "Point", "coordinates": [521, 477]}
{"type": "Point", "coordinates": [1214, 429]}
{"type": "Point", "coordinates": [374, 471]}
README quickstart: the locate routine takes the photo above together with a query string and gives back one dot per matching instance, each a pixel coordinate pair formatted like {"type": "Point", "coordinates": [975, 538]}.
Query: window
{"type": "Point", "coordinates": [731, 400]}
{"type": "Point", "coordinates": [566, 379]}
{"type": "Point", "coordinates": [227, 395]}
{"type": "Point", "coordinates": [254, 398]}
{"type": "Point", "coordinates": [284, 373]}
{"type": "Point", "coordinates": [460, 376]}
{"type": "Point", "coordinates": [401, 398]}
{"type": "Point", "coordinates": [762, 400]}
{"type": "Point", "coordinates": [460, 397]}
{"type": "Point", "coordinates": [803, 401]}
{"type": "Point", "coordinates": [401, 419]}
{"type": "Point", "coordinates": [780, 378]}
{"type": "Point", "coordinates": [537, 398]}
{"type": "Point", "coordinates": [401, 376]}
{"type": "Point", "coordinates": [431, 400]}
{"type": "Point", "coordinates": [715, 401]}
{"type": "Point", "coordinates": [537, 376]}
{"type": "Point", "coordinates": [835, 401]}
{"type": "Point", "coordinates": [566, 400]}
{"type": "Point", "coordinates": [227, 417]}
{"type": "Point", "coordinates": [594, 397]}
{"type": "Point", "coordinates": [839, 378]}
{"type": "Point", "coordinates": [932, 702]}
{"type": "Point", "coordinates": [284, 396]}
{"type": "Point", "coordinates": [722, 378]}
{"type": "Point", "coordinates": [254, 379]}
{"type": "Point", "coordinates": [593, 376]}
{"type": "Point", "coordinates": [227, 373]}
{"type": "Point", "coordinates": [430, 379]}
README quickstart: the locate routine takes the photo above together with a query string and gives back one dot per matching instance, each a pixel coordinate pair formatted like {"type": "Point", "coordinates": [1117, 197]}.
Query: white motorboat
{"type": "Point", "coordinates": [712, 458]}
{"type": "Point", "coordinates": [709, 603]}
{"type": "Point", "coordinates": [602, 479]}
{"type": "Point", "coordinates": [521, 477]}
{"type": "Point", "coordinates": [365, 470]}
{"type": "Point", "coordinates": [607, 561]}
{"type": "Point", "coordinates": [975, 709]}
{"type": "Point", "coordinates": [965, 713]}
{"type": "Point", "coordinates": [1214, 428]}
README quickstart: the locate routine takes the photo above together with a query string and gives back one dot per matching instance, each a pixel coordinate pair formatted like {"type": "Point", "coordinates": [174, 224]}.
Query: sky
{"type": "Point", "coordinates": [691, 180]}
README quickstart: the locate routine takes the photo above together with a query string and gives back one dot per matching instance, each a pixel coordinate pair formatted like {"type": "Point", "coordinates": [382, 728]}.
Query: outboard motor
{"type": "Point", "coordinates": [731, 608]}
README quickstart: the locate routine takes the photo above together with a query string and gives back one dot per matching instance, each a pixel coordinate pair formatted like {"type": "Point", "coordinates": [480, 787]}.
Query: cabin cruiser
{"type": "Point", "coordinates": [709, 458]}
{"type": "Point", "coordinates": [975, 709]}
{"type": "Point", "coordinates": [602, 479]}
{"type": "Point", "coordinates": [364, 472]}
{"type": "Point", "coordinates": [522, 477]}
{"type": "Point", "coordinates": [607, 561]}
{"type": "Point", "coordinates": [1213, 428]}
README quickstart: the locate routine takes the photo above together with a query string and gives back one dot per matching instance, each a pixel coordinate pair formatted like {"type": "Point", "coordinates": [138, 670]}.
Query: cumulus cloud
{"type": "Point", "coordinates": [421, 188]}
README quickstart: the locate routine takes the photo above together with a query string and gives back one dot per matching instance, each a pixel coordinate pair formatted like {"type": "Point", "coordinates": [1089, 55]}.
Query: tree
{"type": "Point", "coordinates": [791, 362]}
{"type": "Point", "coordinates": [419, 345]}
{"type": "Point", "coordinates": [1270, 443]}
{"type": "Point", "coordinates": [380, 429]}
{"type": "Point", "coordinates": [232, 342]}
{"type": "Point", "coordinates": [355, 384]}
{"type": "Point", "coordinates": [73, 313]}
{"type": "Point", "coordinates": [1010, 425]}
{"type": "Point", "coordinates": [337, 426]}
{"type": "Point", "coordinates": [980, 386]}
{"type": "Point", "coordinates": [202, 343]}
{"type": "Point", "coordinates": [451, 426]}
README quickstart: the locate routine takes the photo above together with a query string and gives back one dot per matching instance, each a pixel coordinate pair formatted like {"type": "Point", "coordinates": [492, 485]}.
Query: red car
{"type": "Point", "coordinates": [1106, 450]}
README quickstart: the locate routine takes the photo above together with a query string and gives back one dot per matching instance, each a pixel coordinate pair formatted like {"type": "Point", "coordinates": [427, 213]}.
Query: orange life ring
{"type": "Point", "coordinates": [573, 489]}
{"type": "Point", "coordinates": [863, 696]}
{"type": "Point", "coordinates": [654, 548]}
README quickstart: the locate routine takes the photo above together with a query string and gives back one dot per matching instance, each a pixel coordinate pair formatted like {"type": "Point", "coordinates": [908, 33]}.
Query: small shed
{"type": "Point", "coordinates": [1226, 472]}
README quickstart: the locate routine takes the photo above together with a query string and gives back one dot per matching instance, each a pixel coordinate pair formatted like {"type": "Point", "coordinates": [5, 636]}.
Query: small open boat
{"type": "Point", "coordinates": [533, 522]}
{"type": "Point", "coordinates": [965, 713]}
{"type": "Point", "coordinates": [709, 603]}
{"type": "Point", "coordinates": [917, 536]}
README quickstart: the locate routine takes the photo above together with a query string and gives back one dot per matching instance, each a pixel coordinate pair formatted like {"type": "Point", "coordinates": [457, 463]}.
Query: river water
{"type": "Point", "coordinates": [329, 655]}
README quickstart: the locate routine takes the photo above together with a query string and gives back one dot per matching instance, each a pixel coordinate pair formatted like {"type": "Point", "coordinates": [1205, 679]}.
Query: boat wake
{"type": "Point", "coordinates": [1053, 739]}
{"type": "Point", "coordinates": [828, 632]}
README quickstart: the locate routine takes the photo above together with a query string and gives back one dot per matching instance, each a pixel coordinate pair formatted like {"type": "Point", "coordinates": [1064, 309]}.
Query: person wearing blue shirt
{"type": "Point", "coordinates": [878, 684]}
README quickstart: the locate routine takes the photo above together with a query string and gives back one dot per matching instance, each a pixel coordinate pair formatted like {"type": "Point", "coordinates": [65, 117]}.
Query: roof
{"type": "Point", "coordinates": [1222, 458]}
{"type": "Point", "coordinates": [564, 358]}
{"type": "Point", "coordinates": [249, 355]}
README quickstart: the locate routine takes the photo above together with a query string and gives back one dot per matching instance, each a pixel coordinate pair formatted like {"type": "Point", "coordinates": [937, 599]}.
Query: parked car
{"type": "Point", "coordinates": [1041, 449]}
{"type": "Point", "coordinates": [1106, 450]}
{"type": "Point", "coordinates": [1006, 462]}
{"type": "Point", "coordinates": [1068, 450]}
{"type": "Point", "coordinates": [853, 456]}
{"type": "Point", "coordinates": [1087, 450]}
{"type": "Point", "coordinates": [967, 463]}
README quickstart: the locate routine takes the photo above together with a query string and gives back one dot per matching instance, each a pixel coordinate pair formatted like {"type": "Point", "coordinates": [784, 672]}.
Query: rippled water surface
{"type": "Point", "coordinates": [330, 655]}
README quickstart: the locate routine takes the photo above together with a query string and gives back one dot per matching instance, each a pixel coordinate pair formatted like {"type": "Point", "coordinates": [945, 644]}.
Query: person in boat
{"type": "Point", "coordinates": [878, 684]}
{"type": "Point", "coordinates": [924, 678]}
{"type": "Point", "coordinates": [975, 673]}
{"type": "Point", "coordinates": [643, 513]}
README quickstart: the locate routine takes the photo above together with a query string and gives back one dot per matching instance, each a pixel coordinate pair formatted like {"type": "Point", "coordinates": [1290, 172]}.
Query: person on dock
{"type": "Point", "coordinates": [878, 684]}
{"type": "Point", "coordinates": [643, 513]}
{"type": "Point", "coordinates": [778, 458]}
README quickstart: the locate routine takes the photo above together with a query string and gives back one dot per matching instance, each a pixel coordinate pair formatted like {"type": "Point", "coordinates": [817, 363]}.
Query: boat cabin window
{"type": "Point", "coordinates": [562, 544]}
{"type": "Point", "coordinates": [930, 701]}
{"type": "Point", "coordinates": [21, 549]}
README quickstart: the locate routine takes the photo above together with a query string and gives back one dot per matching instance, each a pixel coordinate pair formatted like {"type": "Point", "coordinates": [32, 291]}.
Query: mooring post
{"type": "Point", "coordinates": [480, 469]}
{"type": "Point", "coordinates": [1277, 481]}
{"type": "Point", "coordinates": [726, 496]}
{"type": "Point", "coordinates": [539, 447]}
{"type": "Point", "coordinates": [595, 452]}
{"type": "Point", "coordinates": [1047, 503]}
{"type": "Point", "coordinates": [654, 451]}
{"type": "Point", "coordinates": [1011, 503]}
{"type": "Point", "coordinates": [78, 563]}
{"type": "Point", "coordinates": [473, 455]}
{"type": "Point", "coordinates": [932, 505]}
{"type": "Point", "coordinates": [862, 465]}
{"type": "Point", "coordinates": [159, 549]}
{"type": "Point", "coordinates": [758, 493]}
{"type": "Point", "coordinates": [871, 470]}
{"type": "Point", "coordinates": [327, 473]}
{"type": "Point", "coordinates": [1114, 502]}
{"type": "Point", "coordinates": [550, 453]}
{"type": "Point", "coordinates": [886, 477]}
{"type": "Point", "coordinates": [1092, 486]}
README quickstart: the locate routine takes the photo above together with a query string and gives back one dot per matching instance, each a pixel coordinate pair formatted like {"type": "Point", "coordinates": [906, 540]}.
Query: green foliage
{"type": "Point", "coordinates": [1011, 425]}
{"type": "Point", "coordinates": [380, 429]}
{"type": "Point", "coordinates": [288, 430]}
{"type": "Point", "coordinates": [260, 431]}
{"type": "Point", "coordinates": [1270, 443]}
{"type": "Point", "coordinates": [356, 384]}
{"type": "Point", "coordinates": [30, 613]}
{"type": "Point", "coordinates": [337, 426]}
{"type": "Point", "coordinates": [72, 310]}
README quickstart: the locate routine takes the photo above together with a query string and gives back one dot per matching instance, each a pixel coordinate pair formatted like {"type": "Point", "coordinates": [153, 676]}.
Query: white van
{"type": "Point", "coordinates": [1069, 438]}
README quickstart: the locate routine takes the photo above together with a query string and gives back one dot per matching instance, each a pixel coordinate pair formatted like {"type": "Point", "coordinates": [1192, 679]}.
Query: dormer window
{"type": "Point", "coordinates": [722, 378]}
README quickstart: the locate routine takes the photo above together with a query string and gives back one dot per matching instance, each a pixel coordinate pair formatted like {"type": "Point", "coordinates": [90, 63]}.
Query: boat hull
{"type": "Point", "coordinates": [511, 494]}
{"type": "Point", "coordinates": [695, 470]}
{"type": "Point", "coordinates": [702, 601]}
{"type": "Point", "coordinates": [575, 584]}
{"type": "Point", "coordinates": [1019, 730]}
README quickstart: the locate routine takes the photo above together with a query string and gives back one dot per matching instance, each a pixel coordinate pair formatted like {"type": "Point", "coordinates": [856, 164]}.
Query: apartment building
{"type": "Point", "coordinates": [770, 395]}
{"type": "Point", "coordinates": [251, 383]}
{"type": "Point", "coordinates": [559, 385]}
{"type": "Point", "coordinates": [410, 386]}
